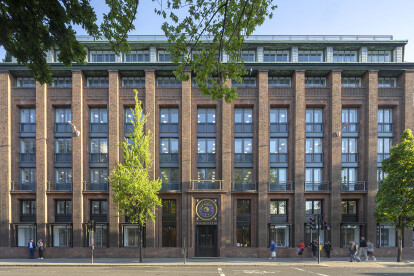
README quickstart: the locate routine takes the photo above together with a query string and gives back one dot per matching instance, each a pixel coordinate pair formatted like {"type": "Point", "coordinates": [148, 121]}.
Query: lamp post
{"type": "Point", "coordinates": [75, 130]}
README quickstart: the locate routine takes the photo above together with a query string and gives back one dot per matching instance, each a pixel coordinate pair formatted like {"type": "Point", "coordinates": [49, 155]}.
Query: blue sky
{"type": "Point", "coordinates": [311, 17]}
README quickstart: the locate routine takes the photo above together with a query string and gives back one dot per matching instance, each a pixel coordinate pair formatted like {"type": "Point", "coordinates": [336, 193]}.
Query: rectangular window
{"type": "Point", "coordinates": [380, 176]}
{"type": "Point", "coordinates": [245, 82]}
{"type": "Point", "coordinates": [313, 207]}
{"type": "Point", "coordinates": [314, 150]}
{"type": "Point", "coordinates": [206, 120]}
{"type": "Point", "coordinates": [349, 207]}
{"type": "Point", "coordinates": [206, 150]}
{"type": "Point", "coordinates": [25, 233]}
{"type": "Point", "coordinates": [349, 179]}
{"type": "Point", "coordinates": [278, 120]}
{"type": "Point", "coordinates": [62, 235]}
{"type": "Point", "coordinates": [27, 150]}
{"type": "Point", "coordinates": [62, 117]}
{"type": "Point", "coordinates": [99, 207]}
{"type": "Point", "coordinates": [63, 150]}
{"type": "Point", "coordinates": [98, 179]}
{"type": "Point", "coordinates": [100, 236]}
{"type": "Point", "coordinates": [169, 223]}
{"type": "Point", "coordinates": [314, 120]}
{"type": "Point", "coordinates": [387, 82]}
{"type": "Point", "coordinates": [62, 82]}
{"type": "Point", "coordinates": [278, 150]}
{"type": "Point", "coordinates": [131, 235]}
{"type": "Point", "coordinates": [164, 56]}
{"type": "Point", "coordinates": [97, 81]}
{"type": "Point", "coordinates": [315, 81]}
{"type": "Point", "coordinates": [350, 120]}
{"type": "Point", "coordinates": [137, 56]}
{"type": "Point", "coordinates": [98, 150]}
{"type": "Point", "coordinates": [248, 56]}
{"type": "Point", "coordinates": [243, 120]}
{"type": "Point", "coordinates": [280, 234]}
{"type": "Point", "coordinates": [98, 120]}
{"type": "Point", "coordinates": [168, 82]}
{"type": "Point", "coordinates": [280, 82]}
{"type": "Point", "coordinates": [28, 207]}
{"type": "Point", "coordinates": [278, 175]}
{"type": "Point", "coordinates": [278, 207]}
{"type": "Point", "coordinates": [206, 178]}
{"type": "Point", "coordinates": [27, 123]}
{"type": "Point", "coordinates": [383, 147]}
{"type": "Point", "coordinates": [276, 56]}
{"type": "Point", "coordinates": [313, 180]}
{"type": "Point", "coordinates": [169, 150]}
{"type": "Point", "coordinates": [310, 56]}
{"type": "Point", "coordinates": [102, 56]}
{"type": "Point", "coordinates": [345, 56]}
{"type": "Point", "coordinates": [385, 120]}
{"type": "Point", "coordinates": [25, 82]}
{"type": "Point", "coordinates": [351, 82]}
{"type": "Point", "coordinates": [386, 236]}
{"type": "Point", "coordinates": [243, 150]}
{"type": "Point", "coordinates": [169, 120]}
{"type": "Point", "coordinates": [27, 179]}
{"type": "Point", "coordinates": [133, 82]}
{"type": "Point", "coordinates": [63, 207]}
{"type": "Point", "coordinates": [350, 232]}
{"type": "Point", "coordinates": [379, 56]}
{"type": "Point", "coordinates": [243, 219]}
{"type": "Point", "coordinates": [349, 150]}
{"type": "Point", "coordinates": [312, 234]}
{"type": "Point", "coordinates": [63, 178]}
{"type": "Point", "coordinates": [169, 176]}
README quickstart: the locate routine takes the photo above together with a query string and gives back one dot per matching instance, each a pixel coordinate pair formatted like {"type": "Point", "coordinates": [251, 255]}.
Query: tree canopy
{"type": "Point", "coordinates": [31, 28]}
{"type": "Point", "coordinates": [395, 197]}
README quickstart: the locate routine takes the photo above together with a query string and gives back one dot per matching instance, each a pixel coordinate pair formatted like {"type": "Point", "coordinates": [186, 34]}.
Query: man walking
{"type": "Point", "coordinates": [31, 245]}
{"type": "Point", "coordinates": [363, 248]}
{"type": "Point", "coordinates": [272, 249]}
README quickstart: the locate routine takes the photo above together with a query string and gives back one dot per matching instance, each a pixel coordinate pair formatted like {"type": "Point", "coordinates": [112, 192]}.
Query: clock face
{"type": "Point", "coordinates": [206, 209]}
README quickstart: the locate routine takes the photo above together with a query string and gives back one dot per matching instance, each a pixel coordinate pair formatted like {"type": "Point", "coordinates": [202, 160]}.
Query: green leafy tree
{"type": "Point", "coordinates": [135, 195]}
{"type": "Point", "coordinates": [395, 197]}
{"type": "Point", "coordinates": [31, 28]}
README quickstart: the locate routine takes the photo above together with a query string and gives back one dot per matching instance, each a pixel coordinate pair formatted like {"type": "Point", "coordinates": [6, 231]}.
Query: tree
{"type": "Point", "coordinates": [31, 28]}
{"type": "Point", "coordinates": [135, 195]}
{"type": "Point", "coordinates": [395, 197]}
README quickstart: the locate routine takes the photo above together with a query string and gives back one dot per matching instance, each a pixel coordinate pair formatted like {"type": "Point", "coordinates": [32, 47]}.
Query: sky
{"type": "Point", "coordinates": [309, 17]}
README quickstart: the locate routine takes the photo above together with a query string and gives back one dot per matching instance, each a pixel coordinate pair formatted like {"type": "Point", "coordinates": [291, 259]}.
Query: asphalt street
{"type": "Point", "coordinates": [209, 270]}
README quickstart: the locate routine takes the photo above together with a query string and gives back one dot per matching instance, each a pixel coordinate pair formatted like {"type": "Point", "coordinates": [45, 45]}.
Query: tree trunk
{"type": "Point", "coordinates": [399, 240]}
{"type": "Point", "coordinates": [140, 243]}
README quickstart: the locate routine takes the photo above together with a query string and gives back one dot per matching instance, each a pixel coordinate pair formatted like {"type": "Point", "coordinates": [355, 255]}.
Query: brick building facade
{"type": "Point", "coordinates": [306, 136]}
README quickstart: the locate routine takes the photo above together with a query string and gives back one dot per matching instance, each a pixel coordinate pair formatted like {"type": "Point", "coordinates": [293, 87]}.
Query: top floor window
{"type": "Point", "coordinates": [164, 56]}
{"type": "Point", "coordinates": [169, 120]}
{"type": "Point", "coordinates": [62, 82]}
{"type": "Point", "coordinates": [102, 56]}
{"type": "Point", "coordinates": [345, 56]}
{"type": "Point", "coordinates": [243, 120]}
{"type": "Point", "coordinates": [206, 120]}
{"type": "Point", "coordinates": [25, 82]}
{"type": "Point", "coordinates": [133, 82]}
{"type": "Point", "coordinates": [315, 81]}
{"type": "Point", "coordinates": [248, 56]}
{"type": "Point", "coordinates": [310, 56]}
{"type": "Point", "coordinates": [280, 81]}
{"type": "Point", "coordinates": [278, 120]}
{"type": "Point", "coordinates": [379, 56]}
{"type": "Point", "coordinates": [276, 56]}
{"type": "Point", "coordinates": [245, 82]}
{"type": "Point", "coordinates": [387, 82]}
{"type": "Point", "coordinates": [351, 82]}
{"type": "Point", "coordinates": [350, 120]}
{"type": "Point", "coordinates": [168, 82]}
{"type": "Point", "coordinates": [97, 82]}
{"type": "Point", "coordinates": [137, 56]}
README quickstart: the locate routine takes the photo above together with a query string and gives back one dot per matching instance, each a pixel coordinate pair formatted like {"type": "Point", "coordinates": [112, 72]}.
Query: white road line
{"type": "Point", "coordinates": [300, 269]}
{"type": "Point", "coordinates": [220, 271]}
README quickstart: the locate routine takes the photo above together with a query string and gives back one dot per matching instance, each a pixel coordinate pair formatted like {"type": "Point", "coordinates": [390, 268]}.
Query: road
{"type": "Point", "coordinates": [210, 270]}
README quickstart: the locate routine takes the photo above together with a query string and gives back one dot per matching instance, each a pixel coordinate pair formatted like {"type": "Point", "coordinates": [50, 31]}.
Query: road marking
{"type": "Point", "coordinates": [311, 272]}
{"type": "Point", "coordinates": [220, 271]}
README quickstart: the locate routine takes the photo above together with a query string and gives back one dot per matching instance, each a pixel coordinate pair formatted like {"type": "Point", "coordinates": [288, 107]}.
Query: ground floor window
{"type": "Point", "coordinates": [312, 234]}
{"type": "Point", "coordinates": [100, 236]}
{"type": "Point", "coordinates": [386, 236]}
{"type": "Point", "coordinates": [243, 234]}
{"type": "Point", "coordinates": [131, 235]}
{"type": "Point", "coordinates": [62, 235]}
{"type": "Point", "coordinates": [25, 233]}
{"type": "Point", "coordinates": [280, 234]}
{"type": "Point", "coordinates": [350, 232]}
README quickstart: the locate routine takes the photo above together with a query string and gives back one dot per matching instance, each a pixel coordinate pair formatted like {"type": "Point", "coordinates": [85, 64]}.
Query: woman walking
{"type": "Point", "coordinates": [370, 250]}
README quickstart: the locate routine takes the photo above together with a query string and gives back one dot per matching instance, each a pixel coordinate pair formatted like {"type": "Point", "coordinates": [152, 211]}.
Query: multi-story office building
{"type": "Point", "coordinates": [313, 121]}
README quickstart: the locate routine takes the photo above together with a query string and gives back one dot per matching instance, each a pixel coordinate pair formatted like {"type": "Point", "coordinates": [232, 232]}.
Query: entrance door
{"type": "Point", "coordinates": [206, 241]}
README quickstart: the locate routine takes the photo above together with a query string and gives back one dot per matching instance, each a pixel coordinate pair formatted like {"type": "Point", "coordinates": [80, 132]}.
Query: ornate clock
{"type": "Point", "coordinates": [206, 210]}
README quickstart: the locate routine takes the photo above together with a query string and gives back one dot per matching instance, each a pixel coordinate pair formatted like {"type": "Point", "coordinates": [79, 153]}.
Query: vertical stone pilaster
{"type": "Point", "coordinates": [150, 128]}
{"type": "Point", "coordinates": [41, 160]}
{"type": "Point", "coordinates": [260, 54]}
{"type": "Point", "coordinates": [299, 137]}
{"type": "Point", "coordinates": [263, 158]}
{"type": "Point", "coordinates": [295, 54]}
{"type": "Point", "coordinates": [370, 80]}
{"type": "Point", "coordinates": [363, 54]}
{"type": "Point", "coordinates": [398, 54]}
{"type": "Point", "coordinates": [406, 82]}
{"type": "Point", "coordinates": [329, 54]}
{"type": "Point", "coordinates": [335, 165]}
{"type": "Point", "coordinates": [186, 156]}
{"type": "Point", "coordinates": [5, 158]}
{"type": "Point", "coordinates": [113, 152]}
{"type": "Point", "coordinates": [153, 54]}
{"type": "Point", "coordinates": [78, 82]}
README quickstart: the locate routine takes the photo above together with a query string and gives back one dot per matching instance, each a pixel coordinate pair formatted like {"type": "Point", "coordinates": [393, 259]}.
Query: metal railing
{"type": "Point", "coordinates": [169, 127]}
{"type": "Point", "coordinates": [351, 128]}
{"type": "Point", "coordinates": [98, 127]}
{"type": "Point", "coordinates": [63, 157]}
{"type": "Point", "coordinates": [353, 186]}
{"type": "Point", "coordinates": [244, 185]}
{"type": "Point", "coordinates": [314, 157]}
{"type": "Point", "coordinates": [350, 157]}
{"type": "Point", "coordinates": [98, 157]}
{"type": "Point", "coordinates": [59, 186]}
{"type": "Point", "coordinates": [95, 186]}
{"type": "Point", "coordinates": [314, 127]}
{"type": "Point", "coordinates": [287, 186]}
{"type": "Point", "coordinates": [385, 127]}
{"type": "Point", "coordinates": [171, 186]}
{"type": "Point", "coordinates": [322, 186]}
{"type": "Point", "coordinates": [28, 157]}
{"type": "Point", "coordinates": [63, 128]}
{"type": "Point", "coordinates": [243, 127]}
{"type": "Point", "coordinates": [279, 127]}
{"type": "Point", "coordinates": [23, 186]}
{"type": "Point", "coordinates": [27, 127]}
{"type": "Point", "coordinates": [254, 37]}
{"type": "Point", "coordinates": [206, 128]}
{"type": "Point", "coordinates": [278, 158]}
{"type": "Point", "coordinates": [206, 184]}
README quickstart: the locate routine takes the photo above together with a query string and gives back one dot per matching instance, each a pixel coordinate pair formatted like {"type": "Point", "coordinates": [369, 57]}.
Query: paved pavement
{"type": "Point", "coordinates": [202, 262]}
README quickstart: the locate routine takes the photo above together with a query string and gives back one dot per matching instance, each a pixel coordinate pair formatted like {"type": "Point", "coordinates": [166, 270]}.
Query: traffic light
{"type": "Point", "coordinates": [312, 223]}
{"type": "Point", "coordinates": [325, 225]}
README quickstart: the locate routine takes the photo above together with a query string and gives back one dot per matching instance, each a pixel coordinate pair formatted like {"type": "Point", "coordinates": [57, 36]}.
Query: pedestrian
{"type": "Point", "coordinates": [363, 248]}
{"type": "Point", "coordinates": [31, 245]}
{"type": "Point", "coordinates": [300, 249]}
{"type": "Point", "coordinates": [328, 249]}
{"type": "Point", "coordinates": [371, 250]}
{"type": "Point", "coordinates": [314, 247]}
{"type": "Point", "coordinates": [352, 251]}
{"type": "Point", "coordinates": [272, 250]}
{"type": "Point", "coordinates": [40, 248]}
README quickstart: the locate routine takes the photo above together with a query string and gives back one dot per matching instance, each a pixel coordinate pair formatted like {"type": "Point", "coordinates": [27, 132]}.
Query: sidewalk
{"type": "Point", "coordinates": [174, 262]}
